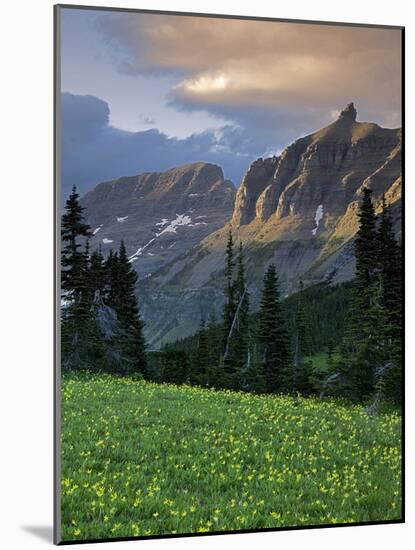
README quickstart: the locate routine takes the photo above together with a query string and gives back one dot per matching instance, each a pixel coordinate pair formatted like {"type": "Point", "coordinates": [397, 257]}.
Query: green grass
{"type": "Point", "coordinates": [145, 459]}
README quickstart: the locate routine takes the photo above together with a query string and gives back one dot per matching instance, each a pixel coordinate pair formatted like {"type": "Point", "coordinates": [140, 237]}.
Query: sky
{"type": "Point", "coordinates": [146, 92]}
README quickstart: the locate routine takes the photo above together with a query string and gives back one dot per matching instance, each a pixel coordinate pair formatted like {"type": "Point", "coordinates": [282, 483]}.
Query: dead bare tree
{"type": "Point", "coordinates": [235, 320]}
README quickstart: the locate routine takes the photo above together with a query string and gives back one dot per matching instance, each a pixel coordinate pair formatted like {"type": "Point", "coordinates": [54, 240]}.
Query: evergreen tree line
{"type": "Point", "coordinates": [101, 326]}
{"type": "Point", "coordinates": [371, 351]}
{"type": "Point", "coordinates": [245, 351]}
{"type": "Point", "coordinates": [358, 324]}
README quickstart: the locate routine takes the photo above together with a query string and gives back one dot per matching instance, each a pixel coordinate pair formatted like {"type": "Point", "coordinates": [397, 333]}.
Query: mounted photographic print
{"type": "Point", "coordinates": [229, 282]}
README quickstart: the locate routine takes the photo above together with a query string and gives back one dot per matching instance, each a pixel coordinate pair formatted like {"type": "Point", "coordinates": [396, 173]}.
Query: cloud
{"type": "Point", "coordinates": [147, 120]}
{"type": "Point", "coordinates": [274, 65]}
{"type": "Point", "coordinates": [94, 151]}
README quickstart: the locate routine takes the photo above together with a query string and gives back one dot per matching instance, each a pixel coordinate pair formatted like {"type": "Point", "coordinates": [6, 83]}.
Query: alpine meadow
{"type": "Point", "coordinates": [231, 320]}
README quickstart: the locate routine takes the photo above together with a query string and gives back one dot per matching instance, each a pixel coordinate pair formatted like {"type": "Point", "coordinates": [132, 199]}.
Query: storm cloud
{"type": "Point", "coordinates": [94, 151]}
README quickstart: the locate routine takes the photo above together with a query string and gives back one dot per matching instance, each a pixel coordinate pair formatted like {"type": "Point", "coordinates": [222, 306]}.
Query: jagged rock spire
{"type": "Point", "coordinates": [349, 113]}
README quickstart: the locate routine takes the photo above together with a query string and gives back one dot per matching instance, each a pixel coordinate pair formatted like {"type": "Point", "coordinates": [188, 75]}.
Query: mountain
{"type": "Point", "coordinates": [159, 215]}
{"type": "Point", "coordinates": [298, 209]}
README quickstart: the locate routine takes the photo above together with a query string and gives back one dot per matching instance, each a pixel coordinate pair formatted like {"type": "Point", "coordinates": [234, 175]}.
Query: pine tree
{"type": "Point", "coordinates": [112, 279]}
{"type": "Point", "coordinates": [252, 377]}
{"type": "Point", "coordinates": [97, 272]}
{"type": "Point", "coordinates": [390, 270]}
{"type": "Point", "coordinates": [229, 375]}
{"type": "Point", "coordinates": [214, 344]}
{"type": "Point", "coordinates": [175, 365]}
{"type": "Point", "coordinates": [82, 345]}
{"type": "Point", "coordinates": [122, 298]}
{"type": "Point", "coordinates": [363, 346]}
{"type": "Point", "coordinates": [272, 335]}
{"type": "Point", "coordinates": [74, 232]}
{"type": "Point", "coordinates": [330, 357]}
{"type": "Point", "coordinates": [229, 306]}
{"type": "Point", "coordinates": [390, 274]}
{"type": "Point", "coordinates": [201, 374]}
{"type": "Point", "coordinates": [365, 247]}
{"type": "Point", "coordinates": [301, 371]}
{"type": "Point", "coordinates": [242, 301]}
{"type": "Point", "coordinates": [240, 340]}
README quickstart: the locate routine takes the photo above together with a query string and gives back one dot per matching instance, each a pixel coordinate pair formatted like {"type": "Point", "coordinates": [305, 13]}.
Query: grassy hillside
{"type": "Point", "coordinates": [145, 459]}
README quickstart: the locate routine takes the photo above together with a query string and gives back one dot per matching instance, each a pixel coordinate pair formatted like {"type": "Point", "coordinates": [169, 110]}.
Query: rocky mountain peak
{"type": "Point", "coordinates": [349, 113]}
{"type": "Point", "coordinates": [327, 166]}
{"type": "Point", "coordinates": [159, 215]}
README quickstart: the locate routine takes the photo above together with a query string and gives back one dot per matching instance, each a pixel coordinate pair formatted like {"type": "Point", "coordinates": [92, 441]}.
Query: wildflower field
{"type": "Point", "coordinates": [142, 459]}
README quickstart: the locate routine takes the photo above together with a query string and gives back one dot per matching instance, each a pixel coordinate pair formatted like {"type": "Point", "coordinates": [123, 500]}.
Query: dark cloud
{"type": "Point", "coordinates": [264, 130]}
{"type": "Point", "coordinates": [82, 117]}
{"type": "Point", "coordinates": [94, 151]}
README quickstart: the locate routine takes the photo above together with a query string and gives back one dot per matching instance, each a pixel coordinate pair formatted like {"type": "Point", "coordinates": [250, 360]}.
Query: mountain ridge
{"type": "Point", "coordinates": [297, 209]}
{"type": "Point", "coordinates": [148, 211]}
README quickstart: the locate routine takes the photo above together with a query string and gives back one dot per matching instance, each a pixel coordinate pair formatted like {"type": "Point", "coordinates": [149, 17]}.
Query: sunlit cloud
{"type": "Point", "coordinates": [205, 84]}
{"type": "Point", "coordinates": [267, 64]}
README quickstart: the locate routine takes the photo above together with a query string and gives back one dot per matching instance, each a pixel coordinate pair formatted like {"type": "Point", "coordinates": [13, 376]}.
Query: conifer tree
{"type": "Point", "coordinates": [229, 306]}
{"type": "Point", "coordinates": [74, 232]}
{"type": "Point", "coordinates": [390, 270]}
{"type": "Point", "coordinates": [390, 274]}
{"type": "Point", "coordinates": [201, 375]}
{"type": "Point", "coordinates": [175, 365]}
{"type": "Point", "coordinates": [330, 356]}
{"type": "Point", "coordinates": [301, 368]}
{"type": "Point", "coordinates": [82, 345]}
{"type": "Point", "coordinates": [252, 376]}
{"type": "Point", "coordinates": [364, 343]}
{"type": "Point", "coordinates": [229, 368]}
{"type": "Point", "coordinates": [214, 343]}
{"type": "Point", "coordinates": [123, 300]}
{"type": "Point", "coordinates": [112, 279]}
{"type": "Point", "coordinates": [272, 335]}
{"type": "Point", "coordinates": [240, 340]}
{"type": "Point", "coordinates": [365, 247]}
{"type": "Point", "coordinates": [97, 271]}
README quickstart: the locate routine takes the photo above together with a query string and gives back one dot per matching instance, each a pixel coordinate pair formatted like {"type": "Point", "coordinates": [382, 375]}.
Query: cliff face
{"type": "Point", "coordinates": [258, 177]}
{"type": "Point", "coordinates": [298, 210]}
{"type": "Point", "coordinates": [325, 168]}
{"type": "Point", "coordinates": [159, 215]}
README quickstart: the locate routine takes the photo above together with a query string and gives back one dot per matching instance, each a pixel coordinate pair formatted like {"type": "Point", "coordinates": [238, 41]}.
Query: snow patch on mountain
{"type": "Point", "coordinates": [121, 219]}
{"type": "Point", "coordinates": [107, 241]}
{"type": "Point", "coordinates": [139, 252]}
{"type": "Point", "coordinates": [95, 231]}
{"type": "Point", "coordinates": [181, 219]}
{"type": "Point", "coordinates": [317, 218]}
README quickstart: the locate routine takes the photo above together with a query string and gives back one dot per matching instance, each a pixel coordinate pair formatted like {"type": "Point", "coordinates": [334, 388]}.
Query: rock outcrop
{"type": "Point", "coordinates": [256, 180]}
